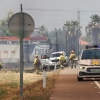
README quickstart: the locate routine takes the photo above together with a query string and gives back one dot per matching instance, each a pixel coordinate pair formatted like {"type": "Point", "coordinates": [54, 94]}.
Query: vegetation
{"type": "Point", "coordinates": [44, 32]}
{"type": "Point", "coordinates": [73, 33]}
{"type": "Point", "coordinates": [32, 91]}
{"type": "Point", "coordinates": [86, 38]}
{"type": "Point", "coordinates": [4, 24]}
{"type": "Point", "coordinates": [93, 29]}
{"type": "Point", "coordinates": [57, 40]}
{"type": "Point", "coordinates": [66, 38]}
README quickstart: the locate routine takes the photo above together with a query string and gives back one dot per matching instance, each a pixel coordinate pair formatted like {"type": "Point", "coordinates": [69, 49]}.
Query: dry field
{"type": "Point", "coordinates": [32, 88]}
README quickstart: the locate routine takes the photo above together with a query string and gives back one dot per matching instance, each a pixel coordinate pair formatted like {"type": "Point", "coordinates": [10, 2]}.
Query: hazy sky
{"type": "Point", "coordinates": [53, 13]}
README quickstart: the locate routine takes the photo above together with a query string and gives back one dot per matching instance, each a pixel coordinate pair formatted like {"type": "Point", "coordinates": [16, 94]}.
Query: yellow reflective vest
{"type": "Point", "coordinates": [36, 61]}
{"type": "Point", "coordinates": [62, 58]}
{"type": "Point", "coordinates": [72, 56]}
{"type": "Point", "coordinates": [0, 64]}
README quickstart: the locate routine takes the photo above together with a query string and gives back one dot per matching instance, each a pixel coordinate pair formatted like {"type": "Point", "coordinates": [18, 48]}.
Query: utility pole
{"type": "Point", "coordinates": [56, 55]}
{"type": "Point", "coordinates": [21, 51]}
{"type": "Point", "coordinates": [56, 42]}
{"type": "Point", "coordinates": [66, 44]}
{"type": "Point", "coordinates": [78, 19]}
{"type": "Point", "coordinates": [78, 16]}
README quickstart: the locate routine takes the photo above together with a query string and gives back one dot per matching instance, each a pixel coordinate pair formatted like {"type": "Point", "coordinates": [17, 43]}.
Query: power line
{"type": "Point", "coordinates": [56, 10]}
{"type": "Point", "coordinates": [49, 10]}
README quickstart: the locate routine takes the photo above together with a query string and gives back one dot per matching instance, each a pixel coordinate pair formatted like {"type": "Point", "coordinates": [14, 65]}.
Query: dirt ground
{"type": "Point", "coordinates": [10, 76]}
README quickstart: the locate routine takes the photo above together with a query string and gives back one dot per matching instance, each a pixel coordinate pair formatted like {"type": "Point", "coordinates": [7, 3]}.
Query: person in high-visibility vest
{"type": "Point", "coordinates": [1, 66]}
{"type": "Point", "coordinates": [37, 64]}
{"type": "Point", "coordinates": [62, 60]}
{"type": "Point", "coordinates": [72, 58]}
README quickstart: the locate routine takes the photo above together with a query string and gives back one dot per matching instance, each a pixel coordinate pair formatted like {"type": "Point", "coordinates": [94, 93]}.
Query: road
{"type": "Point", "coordinates": [68, 88]}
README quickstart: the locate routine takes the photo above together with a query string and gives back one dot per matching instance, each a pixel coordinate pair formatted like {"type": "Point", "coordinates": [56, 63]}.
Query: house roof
{"type": "Point", "coordinates": [12, 38]}
{"type": "Point", "coordinates": [43, 38]}
{"type": "Point", "coordinates": [83, 43]}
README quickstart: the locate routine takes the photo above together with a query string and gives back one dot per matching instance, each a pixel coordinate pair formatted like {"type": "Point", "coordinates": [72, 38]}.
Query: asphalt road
{"type": "Point", "coordinates": [68, 88]}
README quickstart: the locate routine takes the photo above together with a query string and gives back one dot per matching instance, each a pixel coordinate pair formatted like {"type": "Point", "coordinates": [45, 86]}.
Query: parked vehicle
{"type": "Point", "coordinates": [45, 63]}
{"type": "Point", "coordinates": [89, 63]}
{"type": "Point", "coordinates": [54, 58]}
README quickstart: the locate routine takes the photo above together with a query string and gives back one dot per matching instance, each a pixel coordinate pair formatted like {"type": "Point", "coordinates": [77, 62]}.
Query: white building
{"type": "Point", "coordinates": [10, 48]}
{"type": "Point", "coordinates": [9, 52]}
{"type": "Point", "coordinates": [40, 49]}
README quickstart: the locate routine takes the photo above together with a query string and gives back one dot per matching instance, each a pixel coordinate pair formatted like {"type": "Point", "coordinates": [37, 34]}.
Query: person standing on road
{"type": "Point", "coordinates": [72, 59]}
{"type": "Point", "coordinates": [37, 64]}
{"type": "Point", "coordinates": [62, 60]}
{"type": "Point", "coordinates": [1, 65]}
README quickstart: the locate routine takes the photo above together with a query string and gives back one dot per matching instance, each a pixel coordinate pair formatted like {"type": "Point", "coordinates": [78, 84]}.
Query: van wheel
{"type": "Point", "coordinates": [79, 78]}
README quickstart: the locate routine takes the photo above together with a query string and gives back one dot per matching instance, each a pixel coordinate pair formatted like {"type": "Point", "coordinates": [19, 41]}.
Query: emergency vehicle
{"type": "Point", "coordinates": [89, 63]}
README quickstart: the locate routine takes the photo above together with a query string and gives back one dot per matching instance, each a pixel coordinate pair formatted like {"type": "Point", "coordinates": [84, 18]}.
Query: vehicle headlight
{"type": "Point", "coordinates": [81, 67]}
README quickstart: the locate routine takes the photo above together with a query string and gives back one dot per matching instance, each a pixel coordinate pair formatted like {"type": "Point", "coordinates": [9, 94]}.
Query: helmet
{"type": "Point", "coordinates": [72, 51]}
{"type": "Point", "coordinates": [61, 53]}
{"type": "Point", "coordinates": [36, 55]}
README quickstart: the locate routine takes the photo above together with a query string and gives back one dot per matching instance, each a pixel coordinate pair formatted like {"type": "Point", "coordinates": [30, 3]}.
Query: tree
{"type": "Point", "coordinates": [43, 30]}
{"type": "Point", "coordinates": [57, 37]}
{"type": "Point", "coordinates": [4, 24]}
{"type": "Point", "coordinates": [93, 29]}
{"type": "Point", "coordinates": [73, 33]}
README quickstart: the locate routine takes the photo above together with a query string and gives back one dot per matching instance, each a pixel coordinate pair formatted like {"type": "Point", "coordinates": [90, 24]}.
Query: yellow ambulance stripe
{"type": "Point", "coordinates": [95, 62]}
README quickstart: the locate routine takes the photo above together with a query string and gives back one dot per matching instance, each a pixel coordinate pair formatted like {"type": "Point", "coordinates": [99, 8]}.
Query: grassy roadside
{"type": "Point", "coordinates": [32, 90]}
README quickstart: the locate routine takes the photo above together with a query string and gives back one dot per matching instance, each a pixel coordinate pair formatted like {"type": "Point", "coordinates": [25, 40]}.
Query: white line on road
{"type": "Point", "coordinates": [98, 85]}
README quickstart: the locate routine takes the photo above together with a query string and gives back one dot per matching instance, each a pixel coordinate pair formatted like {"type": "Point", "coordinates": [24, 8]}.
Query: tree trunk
{"type": "Point", "coordinates": [95, 37]}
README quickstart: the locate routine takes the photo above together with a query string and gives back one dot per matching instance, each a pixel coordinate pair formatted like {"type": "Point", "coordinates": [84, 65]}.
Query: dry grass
{"type": "Point", "coordinates": [33, 86]}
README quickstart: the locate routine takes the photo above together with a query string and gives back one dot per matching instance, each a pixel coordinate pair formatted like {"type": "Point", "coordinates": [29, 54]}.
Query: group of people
{"type": "Point", "coordinates": [62, 61]}
{"type": "Point", "coordinates": [72, 57]}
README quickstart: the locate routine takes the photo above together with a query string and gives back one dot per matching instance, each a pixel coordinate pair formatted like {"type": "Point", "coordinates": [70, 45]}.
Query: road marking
{"type": "Point", "coordinates": [97, 83]}
{"type": "Point", "coordinates": [95, 87]}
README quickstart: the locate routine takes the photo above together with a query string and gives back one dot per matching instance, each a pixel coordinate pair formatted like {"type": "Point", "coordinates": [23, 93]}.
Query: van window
{"type": "Point", "coordinates": [55, 55]}
{"type": "Point", "coordinates": [91, 54]}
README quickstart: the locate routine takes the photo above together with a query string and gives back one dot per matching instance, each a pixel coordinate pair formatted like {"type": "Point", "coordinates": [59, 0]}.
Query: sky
{"type": "Point", "coordinates": [53, 13]}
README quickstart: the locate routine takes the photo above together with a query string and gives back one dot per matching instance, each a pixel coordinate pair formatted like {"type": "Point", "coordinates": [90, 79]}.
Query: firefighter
{"type": "Point", "coordinates": [1, 65]}
{"type": "Point", "coordinates": [62, 60]}
{"type": "Point", "coordinates": [37, 64]}
{"type": "Point", "coordinates": [72, 59]}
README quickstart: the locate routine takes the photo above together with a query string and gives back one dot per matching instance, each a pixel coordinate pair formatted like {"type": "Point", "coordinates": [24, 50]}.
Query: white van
{"type": "Point", "coordinates": [89, 63]}
{"type": "Point", "coordinates": [54, 58]}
